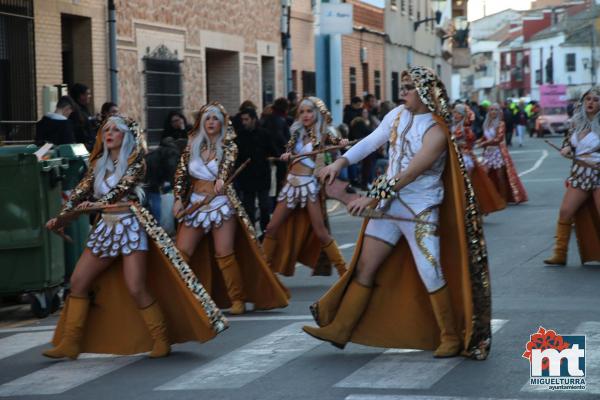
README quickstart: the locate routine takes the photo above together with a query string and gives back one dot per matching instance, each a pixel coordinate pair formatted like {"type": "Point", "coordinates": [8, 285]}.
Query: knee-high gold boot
{"type": "Point", "coordinates": [269, 245]}
{"type": "Point", "coordinates": [450, 345]}
{"type": "Point", "coordinates": [73, 331]}
{"type": "Point", "coordinates": [155, 321]}
{"type": "Point", "coordinates": [233, 281]}
{"type": "Point", "coordinates": [352, 307]}
{"type": "Point", "coordinates": [561, 246]}
{"type": "Point", "coordinates": [336, 258]}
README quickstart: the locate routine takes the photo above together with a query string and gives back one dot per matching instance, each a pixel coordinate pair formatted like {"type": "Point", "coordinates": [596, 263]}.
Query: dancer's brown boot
{"type": "Point", "coordinates": [77, 311]}
{"type": "Point", "coordinates": [333, 253]}
{"type": "Point", "coordinates": [155, 321]}
{"type": "Point", "coordinates": [269, 245]}
{"type": "Point", "coordinates": [352, 307]}
{"type": "Point", "coordinates": [561, 246]}
{"type": "Point", "coordinates": [450, 345]}
{"type": "Point", "coordinates": [233, 282]}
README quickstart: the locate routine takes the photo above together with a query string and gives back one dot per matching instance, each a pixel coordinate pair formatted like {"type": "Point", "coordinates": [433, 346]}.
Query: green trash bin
{"type": "Point", "coordinates": [77, 157]}
{"type": "Point", "coordinates": [31, 257]}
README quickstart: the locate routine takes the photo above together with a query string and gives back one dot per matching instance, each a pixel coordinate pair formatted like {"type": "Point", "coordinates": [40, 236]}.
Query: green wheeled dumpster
{"type": "Point", "coordinates": [78, 229]}
{"type": "Point", "coordinates": [31, 257]}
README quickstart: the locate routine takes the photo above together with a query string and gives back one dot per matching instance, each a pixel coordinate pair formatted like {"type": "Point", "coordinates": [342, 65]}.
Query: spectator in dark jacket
{"type": "Point", "coordinates": [83, 120]}
{"type": "Point", "coordinates": [161, 164]}
{"type": "Point", "coordinates": [361, 127]}
{"type": "Point", "coordinates": [55, 127]}
{"type": "Point", "coordinates": [175, 127]}
{"type": "Point", "coordinates": [508, 122]}
{"type": "Point", "coordinates": [254, 181]}
{"type": "Point", "coordinates": [236, 120]}
{"type": "Point", "coordinates": [353, 110]}
{"type": "Point", "coordinates": [278, 129]}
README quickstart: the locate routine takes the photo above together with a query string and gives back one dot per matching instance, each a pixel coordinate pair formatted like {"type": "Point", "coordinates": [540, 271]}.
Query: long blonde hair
{"type": "Point", "coordinates": [105, 166]}
{"type": "Point", "coordinates": [201, 138]}
{"type": "Point", "coordinates": [298, 126]}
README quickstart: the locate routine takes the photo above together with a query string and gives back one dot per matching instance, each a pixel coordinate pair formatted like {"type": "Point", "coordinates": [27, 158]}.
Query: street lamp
{"type": "Point", "coordinates": [438, 15]}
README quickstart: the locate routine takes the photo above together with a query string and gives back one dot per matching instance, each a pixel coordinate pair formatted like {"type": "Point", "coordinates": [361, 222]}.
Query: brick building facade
{"type": "Point", "coordinates": [303, 48]}
{"type": "Point", "coordinates": [170, 55]}
{"type": "Point", "coordinates": [48, 43]}
{"type": "Point", "coordinates": [364, 53]}
{"type": "Point", "coordinates": [186, 53]}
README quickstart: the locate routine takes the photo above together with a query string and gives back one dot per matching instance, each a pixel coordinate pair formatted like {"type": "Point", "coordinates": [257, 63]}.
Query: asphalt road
{"type": "Point", "coordinates": [265, 356]}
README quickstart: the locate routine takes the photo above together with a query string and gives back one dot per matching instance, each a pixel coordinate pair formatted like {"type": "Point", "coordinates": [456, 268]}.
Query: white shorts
{"type": "Point", "coordinates": [422, 239]}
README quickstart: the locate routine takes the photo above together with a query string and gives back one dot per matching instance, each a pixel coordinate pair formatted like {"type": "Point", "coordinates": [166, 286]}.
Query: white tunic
{"type": "Point", "coordinates": [428, 189]}
{"type": "Point", "coordinates": [588, 148]}
{"type": "Point", "coordinates": [218, 210]}
{"type": "Point", "coordinates": [116, 233]}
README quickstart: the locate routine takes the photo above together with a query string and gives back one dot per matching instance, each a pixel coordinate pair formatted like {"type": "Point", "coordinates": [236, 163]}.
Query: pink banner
{"type": "Point", "coordinates": [552, 96]}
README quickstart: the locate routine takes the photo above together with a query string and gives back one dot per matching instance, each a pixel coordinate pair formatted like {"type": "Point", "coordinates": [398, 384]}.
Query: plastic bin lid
{"type": "Point", "coordinates": [72, 150]}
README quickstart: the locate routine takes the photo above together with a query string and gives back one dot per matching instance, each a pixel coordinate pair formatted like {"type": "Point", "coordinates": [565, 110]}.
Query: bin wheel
{"type": "Point", "coordinates": [37, 308]}
{"type": "Point", "coordinates": [55, 303]}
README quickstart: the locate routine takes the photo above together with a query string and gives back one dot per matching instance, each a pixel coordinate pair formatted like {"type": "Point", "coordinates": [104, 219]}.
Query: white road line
{"type": "Point", "coordinates": [248, 317]}
{"type": "Point", "coordinates": [15, 344]}
{"type": "Point", "coordinates": [413, 397]}
{"type": "Point", "coordinates": [346, 246]}
{"type": "Point", "coordinates": [404, 369]}
{"type": "Point", "coordinates": [535, 180]}
{"type": "Point", "coordinates": [591, 329]}
{"type": "Point", "coordinates": [537, 164]}
{"type": "Point", "coordinates": [272, 318]}
{"type": "Point", "coordinates": [28, 329]}
{"type": "Point", "coordinates": [247, 363]}
{"type": "Point", "coordinates": [65, 375]}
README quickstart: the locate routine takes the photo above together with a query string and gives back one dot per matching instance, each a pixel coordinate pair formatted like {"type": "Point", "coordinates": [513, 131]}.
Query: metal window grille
{"type": "Point", "coordinates": [352, 82]}
{"type": "Point", "coordinates": [309, 83]}
{"type": "Point", "coordinates": [377, 81]}
{"type": "Point", "coordinates": [17, 70]}
{"type": "Point", "coordinates": [570, 61]}
{"type": "Point", "coordinates": [395, 86]}
{"type": "Point", "coordinates": [163, 93]}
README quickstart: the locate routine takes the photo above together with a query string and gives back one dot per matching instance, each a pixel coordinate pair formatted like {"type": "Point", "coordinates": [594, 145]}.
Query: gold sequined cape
{"type": "Point", "coordinates": [114, 324]}
{"type": "Point", "coordinates": [399, 314]}
{"type": "Point", "coordinates": [261, 286]}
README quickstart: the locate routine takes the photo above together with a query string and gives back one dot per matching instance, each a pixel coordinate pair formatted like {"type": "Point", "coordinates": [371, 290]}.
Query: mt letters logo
{"type": "Point", "coordinates": [556, 362]}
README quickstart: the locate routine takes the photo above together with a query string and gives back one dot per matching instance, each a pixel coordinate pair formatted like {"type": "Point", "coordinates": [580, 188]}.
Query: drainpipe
{"type": "Point", "coordinates": [112, 52]}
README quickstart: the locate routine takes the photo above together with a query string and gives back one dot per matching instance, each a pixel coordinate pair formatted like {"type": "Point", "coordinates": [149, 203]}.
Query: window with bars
{"type": "Point", "coordinates": [411, 8]}
{"type": "Point", "coordinates": [294, 80]}
{"type": "Point", "coordinates": [403, 5]}
{"type": "Point", "coordinates": [377, 82]}
{"type": "Point", "coordinates": [309, 83]}
{"type": "Point", "coordinates": [395, 86]}
{"type": "Point", "coordinates": [352, 82]}
{"type": "Point", "coordinates": [163, 91]}
{"type": "Point", "coordinates": [394, 4]}
{"type": "Point", "coordinates": [570, 62]}
{"type": "Point", "coordinates": [17, 70]}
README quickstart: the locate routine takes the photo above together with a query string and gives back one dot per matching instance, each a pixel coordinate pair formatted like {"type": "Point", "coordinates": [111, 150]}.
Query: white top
{"type": "Point", "coordinates": [200, 170]}
{"type": "Point", "coordinates": [105, 187]}
{"type": "Point", "coordinates": [588, 148]}
{"type": "Point", "coordinates": [302, 148]}
{"type": "Point", "coordinates": [428, 189]}
{"type": "Point", "coordinates": [489, 133]}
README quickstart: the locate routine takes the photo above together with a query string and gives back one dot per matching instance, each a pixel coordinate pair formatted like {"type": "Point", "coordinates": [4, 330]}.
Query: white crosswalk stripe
{"type": "Point", "coordinates": [247, 363]}
{"type": "Point", "coordinates": [65, 375]}
{"type": "Point", "coordinates": [413, 397]}
{"type": "Point", "coordinates": [14, 344]}
{"type": "Point", "coordinates": [404, 369]}
{"type": "Point", "coordinates": [591, 329]}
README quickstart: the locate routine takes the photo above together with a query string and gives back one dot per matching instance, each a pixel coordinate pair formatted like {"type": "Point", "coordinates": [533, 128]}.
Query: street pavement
{"type": "Point", "coordinates": [264, 355]}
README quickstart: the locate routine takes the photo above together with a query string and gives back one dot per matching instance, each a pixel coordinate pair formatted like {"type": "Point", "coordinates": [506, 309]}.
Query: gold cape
{"type": "Point", "coordinates": [399, 314]}
{"type": "Point", "coordinates": [114, 324]}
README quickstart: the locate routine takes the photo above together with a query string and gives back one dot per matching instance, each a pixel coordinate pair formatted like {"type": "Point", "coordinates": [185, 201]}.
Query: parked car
{"type": "Point", "coordinates": [552, 121]}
